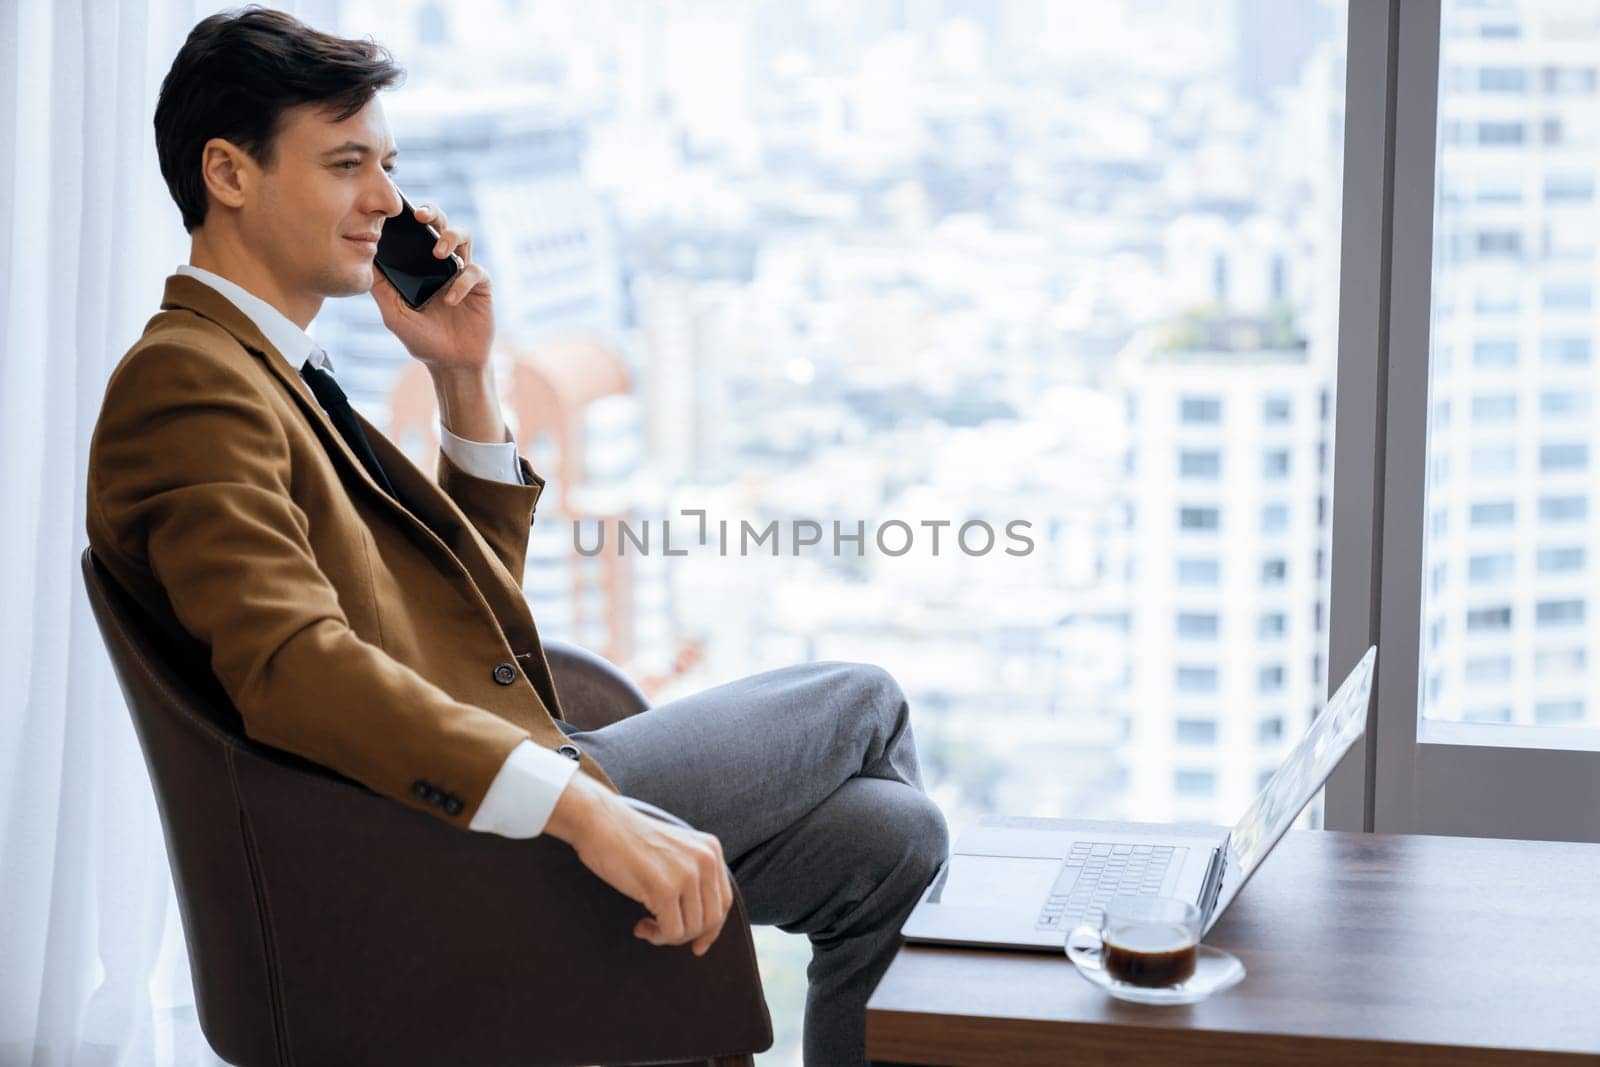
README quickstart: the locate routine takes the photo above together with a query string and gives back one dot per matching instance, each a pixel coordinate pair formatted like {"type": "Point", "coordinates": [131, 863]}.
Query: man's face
{"type": "Point", "coordinates": [321, 193]}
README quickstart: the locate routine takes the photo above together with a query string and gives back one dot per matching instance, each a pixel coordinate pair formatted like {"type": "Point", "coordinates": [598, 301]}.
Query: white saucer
{"type": "Point", "coordinates": [1214, 971]}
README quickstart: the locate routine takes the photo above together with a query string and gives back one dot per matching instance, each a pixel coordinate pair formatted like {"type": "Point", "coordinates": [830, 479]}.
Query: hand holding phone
{"type": "Point", "coordinates": [405, 256]}
{"type": "Point", "coordinates": [455, 332]}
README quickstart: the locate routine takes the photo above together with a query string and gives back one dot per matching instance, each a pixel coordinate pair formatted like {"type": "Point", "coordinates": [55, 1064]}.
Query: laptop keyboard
{"type": "Point", "coordinates": [1094, 873]}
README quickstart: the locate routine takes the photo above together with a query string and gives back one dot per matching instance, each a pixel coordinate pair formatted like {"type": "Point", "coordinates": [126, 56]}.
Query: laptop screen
{"type": "Point", "coordinates": [1296, 780]}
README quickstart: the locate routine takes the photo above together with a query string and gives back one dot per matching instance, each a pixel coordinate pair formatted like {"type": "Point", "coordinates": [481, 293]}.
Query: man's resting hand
{"type": "Point", "coordinates": [677, 873]}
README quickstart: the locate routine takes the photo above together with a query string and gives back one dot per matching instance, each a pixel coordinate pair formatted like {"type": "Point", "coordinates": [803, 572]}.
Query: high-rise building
{"type": "Point", "coordinates": [1224, 559]}
{"type": "Point", "coordinates": [1510, 582]}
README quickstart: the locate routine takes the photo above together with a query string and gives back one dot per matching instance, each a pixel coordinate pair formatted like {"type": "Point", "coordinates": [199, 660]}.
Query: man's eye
{"type": "Point", "coordinates": [353, 163]}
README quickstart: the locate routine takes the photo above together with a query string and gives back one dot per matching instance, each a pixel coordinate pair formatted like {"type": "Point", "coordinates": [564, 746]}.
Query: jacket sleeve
{"type": "Point", "coordinates": [501, 511]}
{"type": "Point", "coordinates": [189, 475]}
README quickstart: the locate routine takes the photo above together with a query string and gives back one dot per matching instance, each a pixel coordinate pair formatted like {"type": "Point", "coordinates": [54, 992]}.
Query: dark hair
{"type": "Point", "coordinates": [237, 74]}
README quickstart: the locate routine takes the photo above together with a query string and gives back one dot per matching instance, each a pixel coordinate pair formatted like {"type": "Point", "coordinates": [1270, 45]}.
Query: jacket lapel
{"type": "Point", "coordinates": [426, 507]}
{"type": "Point", "coordinates": [435, 508]}
{"type": "Point", "coordinates": [198, 297]}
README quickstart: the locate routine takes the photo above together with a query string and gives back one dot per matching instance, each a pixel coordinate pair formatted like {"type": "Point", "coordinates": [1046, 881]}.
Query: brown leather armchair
{"type": "Point", "coordinates": [329, 925]}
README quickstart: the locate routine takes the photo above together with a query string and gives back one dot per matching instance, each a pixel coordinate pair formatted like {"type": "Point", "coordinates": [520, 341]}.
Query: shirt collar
{"type": "Point", "coordinates": [294, 344]}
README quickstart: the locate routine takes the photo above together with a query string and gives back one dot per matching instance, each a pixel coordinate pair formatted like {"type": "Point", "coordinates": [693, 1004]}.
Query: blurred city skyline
{"type": "Point", "coordinates": [930, 262]}
{"type": "Point", "coordinates": [943, 261]}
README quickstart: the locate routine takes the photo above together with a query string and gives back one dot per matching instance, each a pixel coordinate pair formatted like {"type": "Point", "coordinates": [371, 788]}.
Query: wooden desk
{"type": "Point", "coordinates": [1360, 949]}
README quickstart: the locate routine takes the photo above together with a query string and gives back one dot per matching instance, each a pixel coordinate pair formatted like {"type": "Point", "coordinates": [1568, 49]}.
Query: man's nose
{"type": "Point", "coordinates": [385, 197]}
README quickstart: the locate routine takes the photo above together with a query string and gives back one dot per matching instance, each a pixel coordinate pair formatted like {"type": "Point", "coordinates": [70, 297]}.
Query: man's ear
{"type": "Point", "coordinates": [227, 172]}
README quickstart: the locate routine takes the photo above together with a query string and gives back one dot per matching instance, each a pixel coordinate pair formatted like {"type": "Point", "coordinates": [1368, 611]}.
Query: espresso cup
{"type": "Point", "coordinates": [1149, 942]}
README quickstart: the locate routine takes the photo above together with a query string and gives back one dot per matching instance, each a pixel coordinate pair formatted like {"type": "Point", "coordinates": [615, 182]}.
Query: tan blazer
{"type": "Point", "coordinates": [390, 643]}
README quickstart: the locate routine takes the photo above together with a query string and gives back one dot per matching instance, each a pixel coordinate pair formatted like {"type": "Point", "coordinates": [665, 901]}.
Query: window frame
{"type": "Point", "coordinates": [1409, 775]}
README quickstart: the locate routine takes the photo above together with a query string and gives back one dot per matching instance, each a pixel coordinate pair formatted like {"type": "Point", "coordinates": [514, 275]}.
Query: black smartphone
{"type": "Point", "coordinates": [405, 256]}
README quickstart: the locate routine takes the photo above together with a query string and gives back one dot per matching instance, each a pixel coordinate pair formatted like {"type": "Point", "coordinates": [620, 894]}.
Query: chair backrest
{"type": "Point", "coordinates": [191, 734]}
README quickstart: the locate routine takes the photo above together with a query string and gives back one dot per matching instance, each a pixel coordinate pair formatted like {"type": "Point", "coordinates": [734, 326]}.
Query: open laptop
{"type": "Point", "coordinates": [1016, 882]}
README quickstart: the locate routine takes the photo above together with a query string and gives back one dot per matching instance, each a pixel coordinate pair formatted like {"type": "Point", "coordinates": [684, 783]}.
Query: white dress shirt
{"type": "Point", "coordinates": [525, 791]}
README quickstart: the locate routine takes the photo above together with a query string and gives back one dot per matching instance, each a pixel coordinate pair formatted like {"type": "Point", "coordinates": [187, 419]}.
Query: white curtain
{"type": "Point", "coordinates": [93, 968]}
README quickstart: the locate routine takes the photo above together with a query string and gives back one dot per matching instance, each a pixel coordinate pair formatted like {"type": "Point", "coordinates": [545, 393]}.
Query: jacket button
{"type": "Point", "coordinates": [452, 805]}
{"type": "Point", "coordinates": [435, 796]}
{"type": "Point", "coordinates": [505, 674]}
{"type": "Point", "coordinates": [419, 789]}
{"type": "Point", "coordinates": [569, 751]}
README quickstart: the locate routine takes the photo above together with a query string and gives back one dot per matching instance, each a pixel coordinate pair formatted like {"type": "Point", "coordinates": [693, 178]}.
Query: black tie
{"type": "Point", "coordinates": [337, 405]}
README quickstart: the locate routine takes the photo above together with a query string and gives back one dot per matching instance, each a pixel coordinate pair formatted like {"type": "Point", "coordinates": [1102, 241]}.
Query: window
{"type": "Point", "coordinates": [1199, 519]}
{"type": "Point", "coordinates": [1275, 464]}
{"type": "Point", "coordinates": [1559, 405]}
{"type": "Point", "coordinates": [1200, 465]}
{"type": "Point", "coordinates": [1555, 712]}
{"type": "Point", "coordinates": [1495, 407]}
{"type": "Point", "coordinates": [1274, 518]}
{"type": "Point", "coordinates": [1559, 81]}
{"type": "Point", "coordinates": [1197, 626]}
{"type": "Point", "coordinates": [1568, 559]}
{"type": "Point", "coordinates": [1495, 567]}
{"type": "Point", "coordinates": [1270, 731]}
{"type": "Point", "coordinates": [1498, 189]}
{"type": "Point", "coordinates": [1197, 679]}
{"type": "Point", "coordinates": [1558, 613]}
{"type": "Point", "coordinates": [1272, 625]}
{"type": "Point", "coordinates": [1198, 572]}
{"type": "Point", "coordinates": [1200, 411]}
{"type": "Point", "coordinates": [1500, 133]}
{"type": "Point", "coordinates": [1569, 296]}
{"type": "Point", "coordinates": [1274, 571]}
{"type": "Point", "coordinates": [1488, 620]}
{"type": "Point", "coordinates": [1506, 299]}
{"type": "Point", "coordinates": [1488, 669]}
{"type": "Point", "coordinates": [1499, 244]}
{"type": "Point", "coordinates": [1197, 731]}
{"type": "Point", "coordinates": [1560, 662]}
{"type": "Point", "coordinates": [1565, 351]}
{"type": "Point", "coordinates": [1562, 188]}
{"type": "Point", "coordinates": [1269, 679]}
{"type": "Point", "coordinates": [1494, 461]}
{"type": "Point", "coordinates": [1502, 80]}
{"type": "Point", "coordinates": [1563, 508]}
{"type": "Point", "coordinates": [1494, 354]}
{"type": "Point", "coordinates": [1495, 302]}
{"type": "Point", "coordinates": [1276, 410]}
{"type": "Point", "coordinates": [1488, 713]}
{"type": "Point", "coordinates": [1194, 783]}
{"type": "Point", "coordinates": [1563, 457]}
{"type": "Point", "coordinates": [1492, 513]}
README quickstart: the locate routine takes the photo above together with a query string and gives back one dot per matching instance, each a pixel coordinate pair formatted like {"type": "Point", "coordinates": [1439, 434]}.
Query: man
{"type": "Point", "coordinates": [371, 620]}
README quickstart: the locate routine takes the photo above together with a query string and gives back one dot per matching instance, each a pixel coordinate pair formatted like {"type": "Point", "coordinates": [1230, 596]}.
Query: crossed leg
{"type": "Point", "coordinates": [808, 776]}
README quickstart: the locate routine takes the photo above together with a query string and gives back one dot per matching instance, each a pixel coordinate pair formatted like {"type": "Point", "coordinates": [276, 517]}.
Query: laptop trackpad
{"type": "Point", "coordinates": [1008, 882]}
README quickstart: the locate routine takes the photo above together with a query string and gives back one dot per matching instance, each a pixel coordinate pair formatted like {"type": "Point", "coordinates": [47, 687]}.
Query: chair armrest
{"type": "Point", "coordinates": [396, 938]}
{"type": "Point", "coordinates": [593, 691]}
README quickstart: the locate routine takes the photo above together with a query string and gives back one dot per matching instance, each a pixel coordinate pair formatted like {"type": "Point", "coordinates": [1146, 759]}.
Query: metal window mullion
{"type": "Point", "coordinates": [1394, 783]}
{"type": "Point", "coordinates": [1360, 396]}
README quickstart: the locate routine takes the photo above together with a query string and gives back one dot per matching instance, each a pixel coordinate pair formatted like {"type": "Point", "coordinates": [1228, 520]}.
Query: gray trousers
{"type": "Point", "coordinates": [808, 776]}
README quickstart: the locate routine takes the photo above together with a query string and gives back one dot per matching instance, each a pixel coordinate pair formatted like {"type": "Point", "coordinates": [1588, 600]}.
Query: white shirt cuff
{"type": "Point", "coordinates": [491, 461]}
{"type": "Point", "coordinates": [524, 792]}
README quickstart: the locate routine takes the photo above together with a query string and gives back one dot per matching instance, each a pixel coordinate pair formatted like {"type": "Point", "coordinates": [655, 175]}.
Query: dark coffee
{"type": "Point", "coordinates": [1153, 955]}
